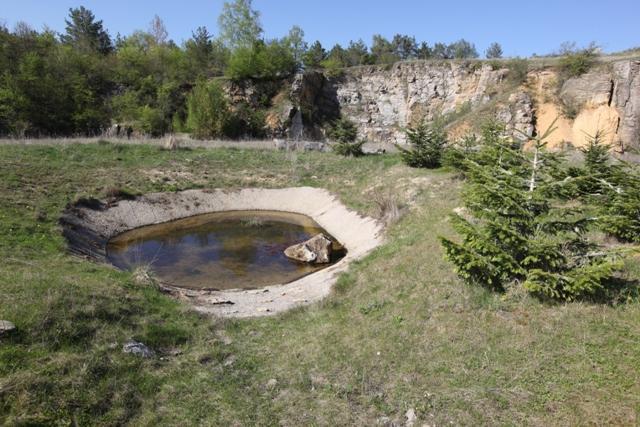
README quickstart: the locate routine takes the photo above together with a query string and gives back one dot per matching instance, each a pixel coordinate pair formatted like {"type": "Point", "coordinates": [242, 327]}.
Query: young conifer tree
{"type": "Point", "coordinates": [620, 207]}
{"type": "Point", "coordinates": [612, 188]}
{"type": "Point", "coordinates": [427, 143]}
{"type": "Point", "coordinates": [520, 231]}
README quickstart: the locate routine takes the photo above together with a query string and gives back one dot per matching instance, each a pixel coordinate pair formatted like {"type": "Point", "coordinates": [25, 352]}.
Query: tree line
{"type": "Point", "coordinates": [83, 80]}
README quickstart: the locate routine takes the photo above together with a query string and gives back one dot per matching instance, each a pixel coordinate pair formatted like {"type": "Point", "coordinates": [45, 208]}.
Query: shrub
{"type": "Point", "coordinates": [427, 146]}
{"type": "Point", "coordinates": [245, 121]}
{"type": "Point", "coordinates": [494, 51]}
{"type": "Point", "coordinates": [518, 70]}
{"type": "Point", "coordinates": [151, 121]}
{"type": "Point", "coordinates": [621, 214]}
{"type": "Point", "coordinates": [208, 110]}
{"type": "Point", "coordinates": [353, 149]}
{"type": "Point", "coordinates": [576, 62]}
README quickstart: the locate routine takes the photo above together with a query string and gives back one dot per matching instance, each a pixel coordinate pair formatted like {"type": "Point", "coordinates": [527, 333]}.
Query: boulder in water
{"type": "Point", "coordinates": [316, 250]}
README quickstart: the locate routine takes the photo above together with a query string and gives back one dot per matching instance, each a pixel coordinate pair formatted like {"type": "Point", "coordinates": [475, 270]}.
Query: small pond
{"type": "Point", "coordinates": [224, 250]}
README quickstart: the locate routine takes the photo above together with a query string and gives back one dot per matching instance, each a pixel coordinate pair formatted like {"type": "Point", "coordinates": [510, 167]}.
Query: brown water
{"type": "Point", "coordinates": [226, 250]}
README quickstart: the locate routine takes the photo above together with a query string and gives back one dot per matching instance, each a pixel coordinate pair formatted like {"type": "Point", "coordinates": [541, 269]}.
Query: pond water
{"type": "Point", "coordinates": [224, 250]}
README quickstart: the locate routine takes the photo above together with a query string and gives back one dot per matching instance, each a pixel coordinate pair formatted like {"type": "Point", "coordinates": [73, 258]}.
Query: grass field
{"type": "Point", "coordinates": [399, 332]}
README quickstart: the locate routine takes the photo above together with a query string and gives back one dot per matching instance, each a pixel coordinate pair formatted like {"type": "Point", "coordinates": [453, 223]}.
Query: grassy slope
{"type": "Point", "coordinates": [399, 332]}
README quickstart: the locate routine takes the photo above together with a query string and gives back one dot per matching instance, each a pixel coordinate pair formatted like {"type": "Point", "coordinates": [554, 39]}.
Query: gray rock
{"type": "Point", "coordinates": [518, 115]}
{"type": "Point", "coordinates": [626, 99]}
{"type": "Point", "coordinates": [382, 101]}
{"type": "Point", "coordinates": [6, 327]}
{"type": "Point", "coordinates": [300, 252]}
{"type": "Point", "coordinates": [411, 417]}
{"type": "Point", "coordinates": [138, 349]}
{"type": "Point", "coordinates": [316, 250]}
{"type": "Point", "coordinates": [594, 88]}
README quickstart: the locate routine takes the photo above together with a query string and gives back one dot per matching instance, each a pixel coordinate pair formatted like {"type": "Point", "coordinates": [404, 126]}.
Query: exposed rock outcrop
{"type": "Point", "coordinates": [606, 99]}
{"type": "Point", "coordinates": [626, 98]}
{"type": "Point", "coordinates": [591, 89]}
{"type": "Point", "coordinates": [383, 100]}
{"type": "Point", "coordinates": [316, 250]}
{"type": "Point", "coordinates": [518, 115]}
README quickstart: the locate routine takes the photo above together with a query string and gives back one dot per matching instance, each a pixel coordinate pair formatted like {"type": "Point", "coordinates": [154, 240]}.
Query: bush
{"type": "Point", "coordinates": [576, 62]}
{"type": "Point", "coordinates": [208, 110]}
{"type": "Point", "coordinates": [353, 149]}
{"type": "Point", "coordinates": [245, 121]}
{"type": "Point", "coordinates": [518, 70]}
{"type": "Point", "coordinates": [151, 121]}
{"type": "Point", "coordinates": [427, 146]}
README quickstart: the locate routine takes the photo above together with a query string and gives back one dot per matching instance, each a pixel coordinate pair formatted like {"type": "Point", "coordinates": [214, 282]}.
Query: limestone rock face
{"type": "Point", "coordinates": [590, 89]}
{"type": "Point", "coordinates": [316, 250]}
{"type": "Point", "coordinates": [383, 101]}
{"type": "Point", "coordinates": [518, 115]}
{"type": "Point", "coordinates": [626, 98]}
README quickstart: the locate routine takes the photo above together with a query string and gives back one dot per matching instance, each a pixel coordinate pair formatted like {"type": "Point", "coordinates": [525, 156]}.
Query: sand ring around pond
{"type": "Point", "coordinates": [89, 225]}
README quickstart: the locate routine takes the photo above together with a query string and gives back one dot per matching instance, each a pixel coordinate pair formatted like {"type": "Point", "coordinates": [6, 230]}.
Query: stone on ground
{"type": "Point", "coordinates": [138, 349]}
{"type": "Point", "coordinates": [6, 327]}
{"type": "Point", "coordinates": [316, 250]}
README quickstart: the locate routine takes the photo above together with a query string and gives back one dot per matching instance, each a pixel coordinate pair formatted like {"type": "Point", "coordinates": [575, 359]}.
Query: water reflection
{"type": "Point", "coordinates": [228, 250]}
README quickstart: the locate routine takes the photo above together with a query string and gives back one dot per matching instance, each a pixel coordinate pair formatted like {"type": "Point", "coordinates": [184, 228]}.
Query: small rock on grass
{"type": "Point", "coordinates": [6, 327]}
{"type": "Point", "coordinates": [411, 417]}
{"type": "Point", "coordinates": [138, 349]}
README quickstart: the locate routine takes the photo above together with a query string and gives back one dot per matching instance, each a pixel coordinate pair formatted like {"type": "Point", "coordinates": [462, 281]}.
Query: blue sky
{"type": "Point", "coordinates": [522, 27]}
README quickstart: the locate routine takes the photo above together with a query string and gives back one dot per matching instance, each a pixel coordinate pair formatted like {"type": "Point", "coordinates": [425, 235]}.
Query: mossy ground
{"type": "Point", "coordinates": [400, 330]}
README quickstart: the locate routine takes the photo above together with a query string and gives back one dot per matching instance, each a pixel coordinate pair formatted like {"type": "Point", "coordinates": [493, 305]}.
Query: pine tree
{"type": "Point", "coordinates": [314, 55]}
{"type": "Point", "coordinates": [85, 33]}
{"type": "Point", "coordinates": [494, 51]}
{"type": "Point", "coordinates": [427, 144]}
{"type": "Point", "coordinates": [612, 188]}
{"type": "Point", "coordinates": [620, 204]}
{"type": "Point", "coordinates": [344, 133]}
{"type": "Point", "coordinates": [521, 232]}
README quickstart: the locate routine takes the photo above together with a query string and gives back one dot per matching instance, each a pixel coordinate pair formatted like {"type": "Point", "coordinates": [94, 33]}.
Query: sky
{"type": "Point", "coordinates": [521, 27]}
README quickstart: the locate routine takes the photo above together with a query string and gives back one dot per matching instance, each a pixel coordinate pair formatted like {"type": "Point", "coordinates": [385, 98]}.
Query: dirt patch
{"type": "Point", "coordinates": [89, 227]}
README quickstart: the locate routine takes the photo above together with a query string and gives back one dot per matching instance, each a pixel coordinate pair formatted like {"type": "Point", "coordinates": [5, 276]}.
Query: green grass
{"type": "Point", "coordinates": [400, 331]}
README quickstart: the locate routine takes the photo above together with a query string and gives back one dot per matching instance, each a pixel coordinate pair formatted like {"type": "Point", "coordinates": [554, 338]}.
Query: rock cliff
{"type": "Point", "coordinates": [606, 99]}
{"type": "Point", "coordinates": [383, 101]}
